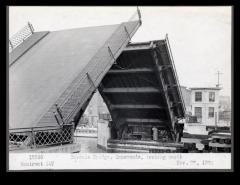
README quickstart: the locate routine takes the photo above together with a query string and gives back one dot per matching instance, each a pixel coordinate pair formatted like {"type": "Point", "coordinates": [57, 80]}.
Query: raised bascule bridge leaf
{"type": "Point", "coordinates": [54, 74]}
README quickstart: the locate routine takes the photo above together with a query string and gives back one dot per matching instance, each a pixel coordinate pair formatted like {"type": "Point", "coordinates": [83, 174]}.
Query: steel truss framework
{"type": "Point", "coordinates": [142, 89]}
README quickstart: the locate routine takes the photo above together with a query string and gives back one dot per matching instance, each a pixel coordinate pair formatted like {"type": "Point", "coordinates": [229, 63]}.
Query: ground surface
{"type": "Point", "coordinates": [88, 145]}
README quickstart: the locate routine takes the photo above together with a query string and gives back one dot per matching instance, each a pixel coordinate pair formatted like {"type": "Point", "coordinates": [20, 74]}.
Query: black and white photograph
{"type": "Point", "coordinates": [119, 87]}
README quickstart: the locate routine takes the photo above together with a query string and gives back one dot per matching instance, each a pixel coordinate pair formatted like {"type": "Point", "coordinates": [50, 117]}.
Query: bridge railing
{"type": "Point", "coordinates": [20, 36]}
{"type": "Point", "coordinates": [36, 137]}
{"type": "Point", "coordinates": [85, 84]}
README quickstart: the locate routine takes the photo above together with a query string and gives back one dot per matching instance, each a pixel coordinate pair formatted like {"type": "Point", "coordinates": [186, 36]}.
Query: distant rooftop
{"type": "Point", "coordinates": [205, 88]}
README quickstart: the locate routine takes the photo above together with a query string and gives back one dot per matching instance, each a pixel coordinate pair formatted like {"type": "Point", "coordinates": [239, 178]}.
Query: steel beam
{"type": "Point", "coordinates": [164, 86]}
{"type": "Point", "coordinates": [137, 120]}
{"type": "Point", "coordinates": [136, 70]}
{"type": "Point", "coordinates": [131, 90]}
{"type": "Point", "coordinates": [150, 125]}
{"type": "Point", "coordinates": [129, 106]}
{"type": "Point", "coordinates": [137, 48]}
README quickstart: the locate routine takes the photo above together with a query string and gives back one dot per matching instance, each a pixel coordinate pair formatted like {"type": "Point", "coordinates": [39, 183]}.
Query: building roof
{"type": "Point", "coordinates": [205, 88]}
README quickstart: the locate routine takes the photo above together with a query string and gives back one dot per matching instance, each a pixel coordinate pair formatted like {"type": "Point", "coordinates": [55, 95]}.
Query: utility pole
{"type": "Point", "coordinates": [218, 73]}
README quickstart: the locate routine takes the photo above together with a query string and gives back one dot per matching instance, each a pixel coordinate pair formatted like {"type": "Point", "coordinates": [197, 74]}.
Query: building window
{"type": "Point", "coordinates": [198, 96]}
{"type": "Point", "coordinates": [198, 112]}
{"type": "Point", "coordinates": [211, 96]}
{"type": "Point", "coordinates": [211, 112]}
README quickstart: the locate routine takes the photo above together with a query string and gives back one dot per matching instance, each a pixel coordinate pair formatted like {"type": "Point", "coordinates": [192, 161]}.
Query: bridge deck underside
{"type": "Point", "coordinates": [141, 89]}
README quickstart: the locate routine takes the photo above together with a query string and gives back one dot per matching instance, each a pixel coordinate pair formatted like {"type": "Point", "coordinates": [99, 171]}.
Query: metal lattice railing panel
{"type": "Point", "coordinates": [100, 65]}
{"type": "Point", "coordinates": [20, 36]}
{"type": "Point", "coordinates": [86, 83]}
{"type": "Point", "coordinates": [19, 139]}
{"type": "Point", "coordinates": [83, 86]}
{"type": "Point", "coordinates": [40, 137]}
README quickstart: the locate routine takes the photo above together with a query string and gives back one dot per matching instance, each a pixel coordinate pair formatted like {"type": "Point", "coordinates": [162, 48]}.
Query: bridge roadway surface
{"type": "Point", "coordinates": [43, 72]}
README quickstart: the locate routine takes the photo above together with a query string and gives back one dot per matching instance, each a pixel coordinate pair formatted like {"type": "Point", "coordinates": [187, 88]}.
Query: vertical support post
{"type": "Point", "coordinates": [11, 44]}
{"type": "Point", "coordinates": [33, 141]}
{"type": "Point", "coordinates": [72, 130]}
{"type": "Point", "coordinates": [55, 115]}
{"type": "Point", "coordinates": [155, 133]}
{"type": "Point", "coordinates": [59, 111]}
{"type": "Point", "coordinates": [30, 27]}
{"type": "Point", "coordinates": [110, 52]}
{"type": "Point", "coordinates": [61, 131]}
{"type": "Point", "coordinates": [218, 73]}
{"type": "Point", "coordinates": [177, 138]}
{"type": "Point", "coordinates": [216, 120]}
{"type": "Point", "coordinates": [178, 131]}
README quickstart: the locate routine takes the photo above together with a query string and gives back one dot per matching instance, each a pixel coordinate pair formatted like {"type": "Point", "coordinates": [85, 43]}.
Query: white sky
{"type": "Point", "coordinates": [200, 37]}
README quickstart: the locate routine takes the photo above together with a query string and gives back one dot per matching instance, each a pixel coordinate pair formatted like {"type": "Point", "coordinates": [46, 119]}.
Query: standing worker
{"type": "Point", "coordinates": [155, 133]}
